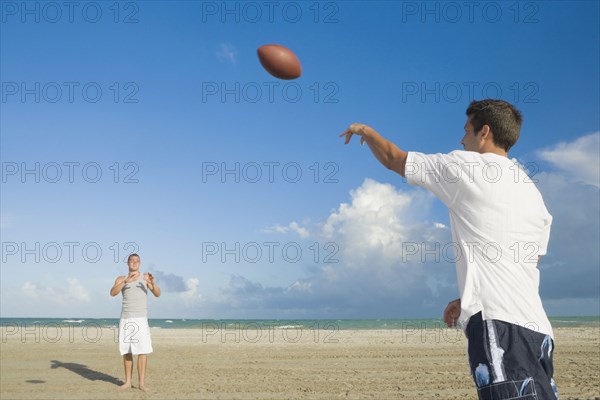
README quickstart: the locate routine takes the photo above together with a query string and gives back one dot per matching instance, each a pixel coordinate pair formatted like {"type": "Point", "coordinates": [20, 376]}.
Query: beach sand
{"type": "Point", "coordinates": [49, 362]}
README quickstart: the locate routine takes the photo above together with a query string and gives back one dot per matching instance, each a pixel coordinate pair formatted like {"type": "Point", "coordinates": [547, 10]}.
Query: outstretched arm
{"type": "Point", "coordinates": [390, 155]}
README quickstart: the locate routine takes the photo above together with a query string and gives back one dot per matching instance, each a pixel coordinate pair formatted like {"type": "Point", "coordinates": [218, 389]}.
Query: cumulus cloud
{"type": "Point", "coordinates": [571, 193]}
{"type": "Point", "coordinates": [169, 282]}
{"type": "Point", "coordinates": [374, 276]}
{"type": "Point", "coordinates": [73, 292]}
{"type": "Point", "coordinates": [379, 222]}
{"type": "Point", "coordinates": [184, 288]}
{"type": "Point", "coordinates": [227, 53]}
{"type": "Point", "coordinates": [191, 292]}
{"type": "Point", "coordinates": [187, 288]}
{"type": "Point", "coordinates": [30, 289]}
{"type": "Point", "coordinates": [77, 291]}
{"type": "Point", "coordinates": [579, 159]}
{"type": "Point", "coordinates": [570, 269]}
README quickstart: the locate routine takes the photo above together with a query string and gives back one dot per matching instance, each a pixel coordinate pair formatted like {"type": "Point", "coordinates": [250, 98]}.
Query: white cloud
{"type": "Point", "coordinates": [77, 291]}
{"type": "Point", "coordinates": [372, 278]}
{"type": "Point", "coordinates": [227, 53]}
{"type": "Point", "coordinates": [579, 159]}
{"type": "Point", "coordinates": [30, 289]}
{"type": "Point", "coordinates": [301, 286]}
{"type": "Point", "coordinates": [571, 193]}
{"type": "Point", "coordinates": [570, 269]}
{"type": "Point", "coordinates": [291, 227]}
{"type": "Point", "coordinates": [73, 292]}
{"type": "Point", "coordinates": [185, 288]}
{"type": "Point", "coordinates": [380, 221]}
{"type": "Point", "coordinates": [192, 289]}
{"type": "Point", "coordinates": [372, 216]}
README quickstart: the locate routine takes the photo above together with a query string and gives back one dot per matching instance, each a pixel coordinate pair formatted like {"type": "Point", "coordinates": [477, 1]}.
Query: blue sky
{"type": "Point", "coordinates": [128, 119]}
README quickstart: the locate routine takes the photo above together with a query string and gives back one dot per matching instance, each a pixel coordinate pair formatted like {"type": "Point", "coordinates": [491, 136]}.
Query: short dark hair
{"type": "Point", "coordinates": [502, 117]}
{"type": "Point", "coordinates": [132, 255]}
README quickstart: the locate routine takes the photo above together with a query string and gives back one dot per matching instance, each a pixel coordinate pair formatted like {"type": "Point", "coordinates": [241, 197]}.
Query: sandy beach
{"type": "Point", "coordinates": [51, 362]}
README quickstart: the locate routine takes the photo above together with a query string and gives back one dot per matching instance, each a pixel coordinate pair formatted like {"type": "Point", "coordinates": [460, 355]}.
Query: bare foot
{"type": "Point", "coordinates": [143, 388]}
{"type": "Point", "coordinates": [126, 385]}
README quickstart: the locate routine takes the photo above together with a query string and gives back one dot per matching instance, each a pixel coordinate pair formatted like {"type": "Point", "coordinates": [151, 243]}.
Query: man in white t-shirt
{"type": "Point", "coordinates": [500, 229]}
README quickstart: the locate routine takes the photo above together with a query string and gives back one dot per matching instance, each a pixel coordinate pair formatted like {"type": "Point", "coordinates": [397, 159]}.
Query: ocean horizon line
{"type": "Point", "coordinates": [273, 318]}
{"type": "Point", "coordinates": [287, 323]}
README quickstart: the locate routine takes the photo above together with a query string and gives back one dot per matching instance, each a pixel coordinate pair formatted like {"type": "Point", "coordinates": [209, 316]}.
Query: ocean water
{"type": "Point", "coordinates": [322, 324]}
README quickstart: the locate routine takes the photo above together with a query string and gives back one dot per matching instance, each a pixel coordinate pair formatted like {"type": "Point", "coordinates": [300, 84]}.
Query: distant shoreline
{"type": "Point", "coordinates": [321, 324]}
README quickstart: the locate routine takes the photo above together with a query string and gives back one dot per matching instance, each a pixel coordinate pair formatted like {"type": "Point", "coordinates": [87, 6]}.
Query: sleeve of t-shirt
{"type": "Point", "coordinates": [438, 173]}
{"type": "Point", "coordinates": [545, 236]}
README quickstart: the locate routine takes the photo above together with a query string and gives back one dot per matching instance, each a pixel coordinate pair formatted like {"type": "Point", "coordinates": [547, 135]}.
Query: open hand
{"type": "Point", "coordinates": [355, 129]}
{"type": "Point", "coordinates": [149, 278]}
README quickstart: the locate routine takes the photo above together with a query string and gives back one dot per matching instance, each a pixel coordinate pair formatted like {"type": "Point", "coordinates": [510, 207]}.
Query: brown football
{"type": "Point", "coordinates": [279, 61]}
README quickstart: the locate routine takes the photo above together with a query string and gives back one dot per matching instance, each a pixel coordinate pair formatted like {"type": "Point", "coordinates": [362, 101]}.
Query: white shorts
{"type": "Point", "coordinates": [134, 336]}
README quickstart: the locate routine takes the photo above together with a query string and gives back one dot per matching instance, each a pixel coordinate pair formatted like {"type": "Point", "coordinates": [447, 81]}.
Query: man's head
{"type": "Point", "coordinates": [133, 262]}
{"type": "Point", "coordinates": [491, 124]}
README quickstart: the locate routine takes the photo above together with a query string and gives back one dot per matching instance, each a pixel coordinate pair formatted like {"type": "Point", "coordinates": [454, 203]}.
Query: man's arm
{"type": "Point", "coordinates": [151, 283]}
{"type": "Point", "coordinates": [119, 283]}
{"type": "Point", "coordinates": [155, 290]}
{"type": "Point", "coordinates": [390, 155]}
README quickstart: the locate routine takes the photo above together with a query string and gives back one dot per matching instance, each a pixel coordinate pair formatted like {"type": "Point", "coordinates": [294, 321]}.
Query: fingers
{"type": "Point", "coordinates": [450, 321]}
{"type": "Point", "coordinates": [348, 133]}
{"type": "Point", "coordinates": [149, 278]}
{"type": "Point", "coordinates": [349, 137]}
{"type": "Point", "coordinates": [447, 318]}
{"type": "Point", "coordinates": [354, 129]}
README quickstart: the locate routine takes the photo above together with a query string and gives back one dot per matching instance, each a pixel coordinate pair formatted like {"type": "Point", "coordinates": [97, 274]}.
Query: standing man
{"type": "Point", "coordinates": [500, 227]}
{"type": "Point", "coordinates": [134, 332]}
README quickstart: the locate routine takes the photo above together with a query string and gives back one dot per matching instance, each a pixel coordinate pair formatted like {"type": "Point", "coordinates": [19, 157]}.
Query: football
{"type": "Point", "coordinates": [279, 61]}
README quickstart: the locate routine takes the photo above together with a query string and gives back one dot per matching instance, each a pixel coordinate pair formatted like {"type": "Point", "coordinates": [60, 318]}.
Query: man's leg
{"type": "Point", "coordinates": [142, 360]}
{"type": "Point", "coordinates": [128, 365]}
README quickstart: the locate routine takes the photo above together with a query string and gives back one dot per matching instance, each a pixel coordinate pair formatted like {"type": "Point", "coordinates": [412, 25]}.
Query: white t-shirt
{"type": "Point", "coordinates": [500, 226]}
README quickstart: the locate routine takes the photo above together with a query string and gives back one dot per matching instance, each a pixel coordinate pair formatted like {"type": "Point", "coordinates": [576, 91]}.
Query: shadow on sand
{"type": "Point", "coordinates": [86, 372]}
